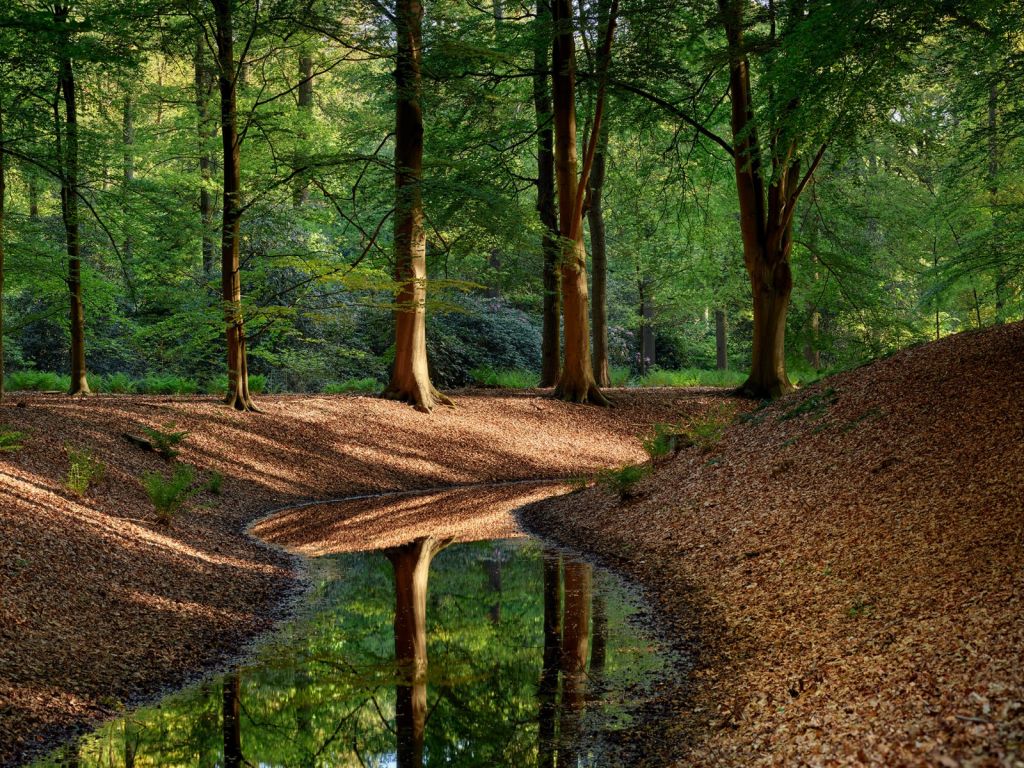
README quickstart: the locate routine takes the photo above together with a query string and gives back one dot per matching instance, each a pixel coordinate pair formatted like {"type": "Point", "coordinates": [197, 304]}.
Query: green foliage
{"type": "Point", "coordinates": [214, 483]}
{"type": "Point", "coordinates": [692, 377]}
{"type": "Point", "coordinates": [11, 440]}
{"type": "Point", "coordinates": [85, 470]}
{"type": "Point", "coordinates": [114, 383]}
{"type": "Point", "coordinates": [485, 376]}
{"type": "Point", "coordinates": [662, 442]}
{"type": "Point", "coordinates": [705, 430]}
{"type": "Point", "coordinates": [165, 441]}
{"type": "Point", "coordinates": [366, 384]}
{"type": "Point", "coordinates": [624, 480]}
{"type": "Point", "coordinates": [167, 384]}
{"type": "Point", "coordinates": [169, 494]}
{"type": "Point", "coordinates": [37, 381]}
{"type": "Point", "coordinates": [218, 385]}
{"type": "Point", "coordinates": [811, 404]}
{"type": "Point", "coordinates": [619, 375]}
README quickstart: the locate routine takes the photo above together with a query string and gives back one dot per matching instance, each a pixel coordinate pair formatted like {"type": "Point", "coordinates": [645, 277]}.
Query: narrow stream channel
{"type": "Point", "coordinates": [494, 653]}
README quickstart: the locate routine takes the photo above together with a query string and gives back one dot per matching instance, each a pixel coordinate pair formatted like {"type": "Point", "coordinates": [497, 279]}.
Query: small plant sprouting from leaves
{"type": "Point", "coordinates": [214, 483]}
{"type": "Point", "coordinates": [168, 495]}
{"type": "Point", "coordinates": [578, 483]}
{"type": "Point", "coordinates": [705, 430]}
{"type": "Point", "coordinates": [10, 440]}
{"type": "Point", "coordinates": [623, 480]}
{"type": "Point", "coordinates": [860, 608]}
{"type": "Point", "coordinates": [85, 470]}
{"type": "Point", "coordinates": [165, 441]}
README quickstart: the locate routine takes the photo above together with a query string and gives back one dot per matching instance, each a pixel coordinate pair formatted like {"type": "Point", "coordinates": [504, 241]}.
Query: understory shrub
{"type": "Point", "coordinates": [214, 483]}
{"type": "Point", "coordinates": [166, 384]}
{"type": "Point", "coordinates": [169, 494]}
{"type": "Point", "coordinates": [113, 383]}
{"type": "Point", "coordinates": [623, 481]}
{"type": "Point", "coordinates": [85, 470]}
{"type": "Point", "coordinates": [218, 385]}
{"type": "Point", "coordinates": [37, 381]}
{"type": "Point", "coordinates": [165, 441]}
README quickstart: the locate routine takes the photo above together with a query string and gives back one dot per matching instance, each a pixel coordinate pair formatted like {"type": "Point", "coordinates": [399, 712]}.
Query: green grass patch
{"type": "Point", "coordinates": [218, 385]}
{"type": "Point", "coordinates": [166, 384]}
{"type": "Point", "coordinates": [503, 379]}
{"type": "Point", "coordinates": [11, 441]}
{"type": "Point", "coordinates": [691, 377]}
{"type": "Point", "coordinates": [367, 384]}
{"type": "Point", "coordinates": [619, 376]}
{"type": "Point", "coordinates": [624, 480]}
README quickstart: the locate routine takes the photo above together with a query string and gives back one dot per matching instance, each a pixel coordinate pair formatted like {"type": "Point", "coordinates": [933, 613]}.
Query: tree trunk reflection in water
{"type": "Point", "coordinates": [232, 721]}
{"type": "Point", "coordinates": [411, 564]}
{"type": "Point", "coordinates": [575, 650]}
{"type": "Point", "coordinates": [548, 689]}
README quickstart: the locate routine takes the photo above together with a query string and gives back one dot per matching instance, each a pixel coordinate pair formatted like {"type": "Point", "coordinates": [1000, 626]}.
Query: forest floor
{"type": "Point", "coordinates": [849, 559]}
{"type": "Point", "coordinates": [100, 606]}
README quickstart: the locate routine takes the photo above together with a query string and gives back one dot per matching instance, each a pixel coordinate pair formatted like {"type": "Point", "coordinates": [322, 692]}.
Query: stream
{"type": "Point", "coordinates": [493, 653]}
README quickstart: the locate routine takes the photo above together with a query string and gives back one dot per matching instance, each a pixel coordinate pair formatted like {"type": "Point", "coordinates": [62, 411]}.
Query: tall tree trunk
{"type": "Point", "coordinates": [69, 206]}
{"type": "Point", "coordinates": [238, 395]}
{"type": "Point", "coordinates": [410, 376]}
{"type": "Point", "coordinates": [300, 195]}
{"type": "Point", "coordinates": [721, 341]}
{"type": "Point", "coordinates": [576, 382]}
{"type": "Point", "coordinates": [232, 720]}
{"type": "Point", "coordinates": [599, 262]}
{"type": "Point", "coordinates": [766, 230]}
{"type": "Point", "coordinates": [551, 336]}
{"type": "Point", "coordinates": [411, 564]}
{"type": "Point", "coordinates": [3, 200]}
{"type": "Point", "coordinates": [206, 129]}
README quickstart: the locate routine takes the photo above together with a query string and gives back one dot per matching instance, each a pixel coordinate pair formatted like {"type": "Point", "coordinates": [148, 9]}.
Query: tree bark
{"type": "Point", "coordinates": [69, 206]}
{"type": "Point", "coordinates": [721, 341]}
{"type": "Point", "coordinates": [206, 129]}
{"type": "Point", "coordinates": [410, 376]}
{"type": "Point", "coordinates": [238, 395]}
{"type": "Point", "coordinates": [551, 335]}
{"type": "Point", "coordinates": [411, 564]}
{"type": "Point", "coordinates": [300, 196]}
{"type": "Point", "coordinates": [576, 382]}
{"type": "Point", "coordinates": [599, 262]}
{"type": "Point", "coordinates": [766, 230]}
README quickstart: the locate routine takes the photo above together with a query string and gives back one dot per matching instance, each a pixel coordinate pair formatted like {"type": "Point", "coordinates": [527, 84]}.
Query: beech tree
{"type": "Point", "coordinates": [410, 376]}
{"type": "Point", "coordinates": [238, 395]}
{"type": "Point", "coordinates": [576, 382]}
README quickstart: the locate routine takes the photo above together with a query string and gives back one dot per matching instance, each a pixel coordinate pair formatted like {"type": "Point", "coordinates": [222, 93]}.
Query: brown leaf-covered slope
{"type": "Point", "coordinates": [98, 603]}
{"type": "Point", "coordinates": [852, 559]}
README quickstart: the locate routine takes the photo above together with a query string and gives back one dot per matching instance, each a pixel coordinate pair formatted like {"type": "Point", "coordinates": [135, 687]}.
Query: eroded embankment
{"type": "Point", "coordinates": [850, 558]}
{"type": "Point", "coordinates": [100, 605]}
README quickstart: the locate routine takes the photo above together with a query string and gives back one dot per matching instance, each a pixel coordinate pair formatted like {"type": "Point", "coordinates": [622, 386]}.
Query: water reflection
{"type": "Point", "coordinates": [494, 653]}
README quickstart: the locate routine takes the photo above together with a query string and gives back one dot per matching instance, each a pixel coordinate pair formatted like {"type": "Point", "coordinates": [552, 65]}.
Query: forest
{"type": "Point", "coordinates": [546, 383]}
{"type": "Point", "coordinates": [222, 197]}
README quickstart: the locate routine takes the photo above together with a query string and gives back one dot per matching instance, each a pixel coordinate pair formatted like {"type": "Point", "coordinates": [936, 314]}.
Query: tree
{"type": "Point", "coordinates": [576, 382]}
{"type": "Point", "coordinates": [238, 395]}
{"type": "Point", "coordinates": [410, 375]}
{"type": "Point", "coordinates": [551, 338]}
{"type": "Point", "coordinates": [69, 193]}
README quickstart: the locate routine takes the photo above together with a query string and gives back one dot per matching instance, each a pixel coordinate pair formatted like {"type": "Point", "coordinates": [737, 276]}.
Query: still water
{"type": "Point", "coordinates": [493, 653]}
